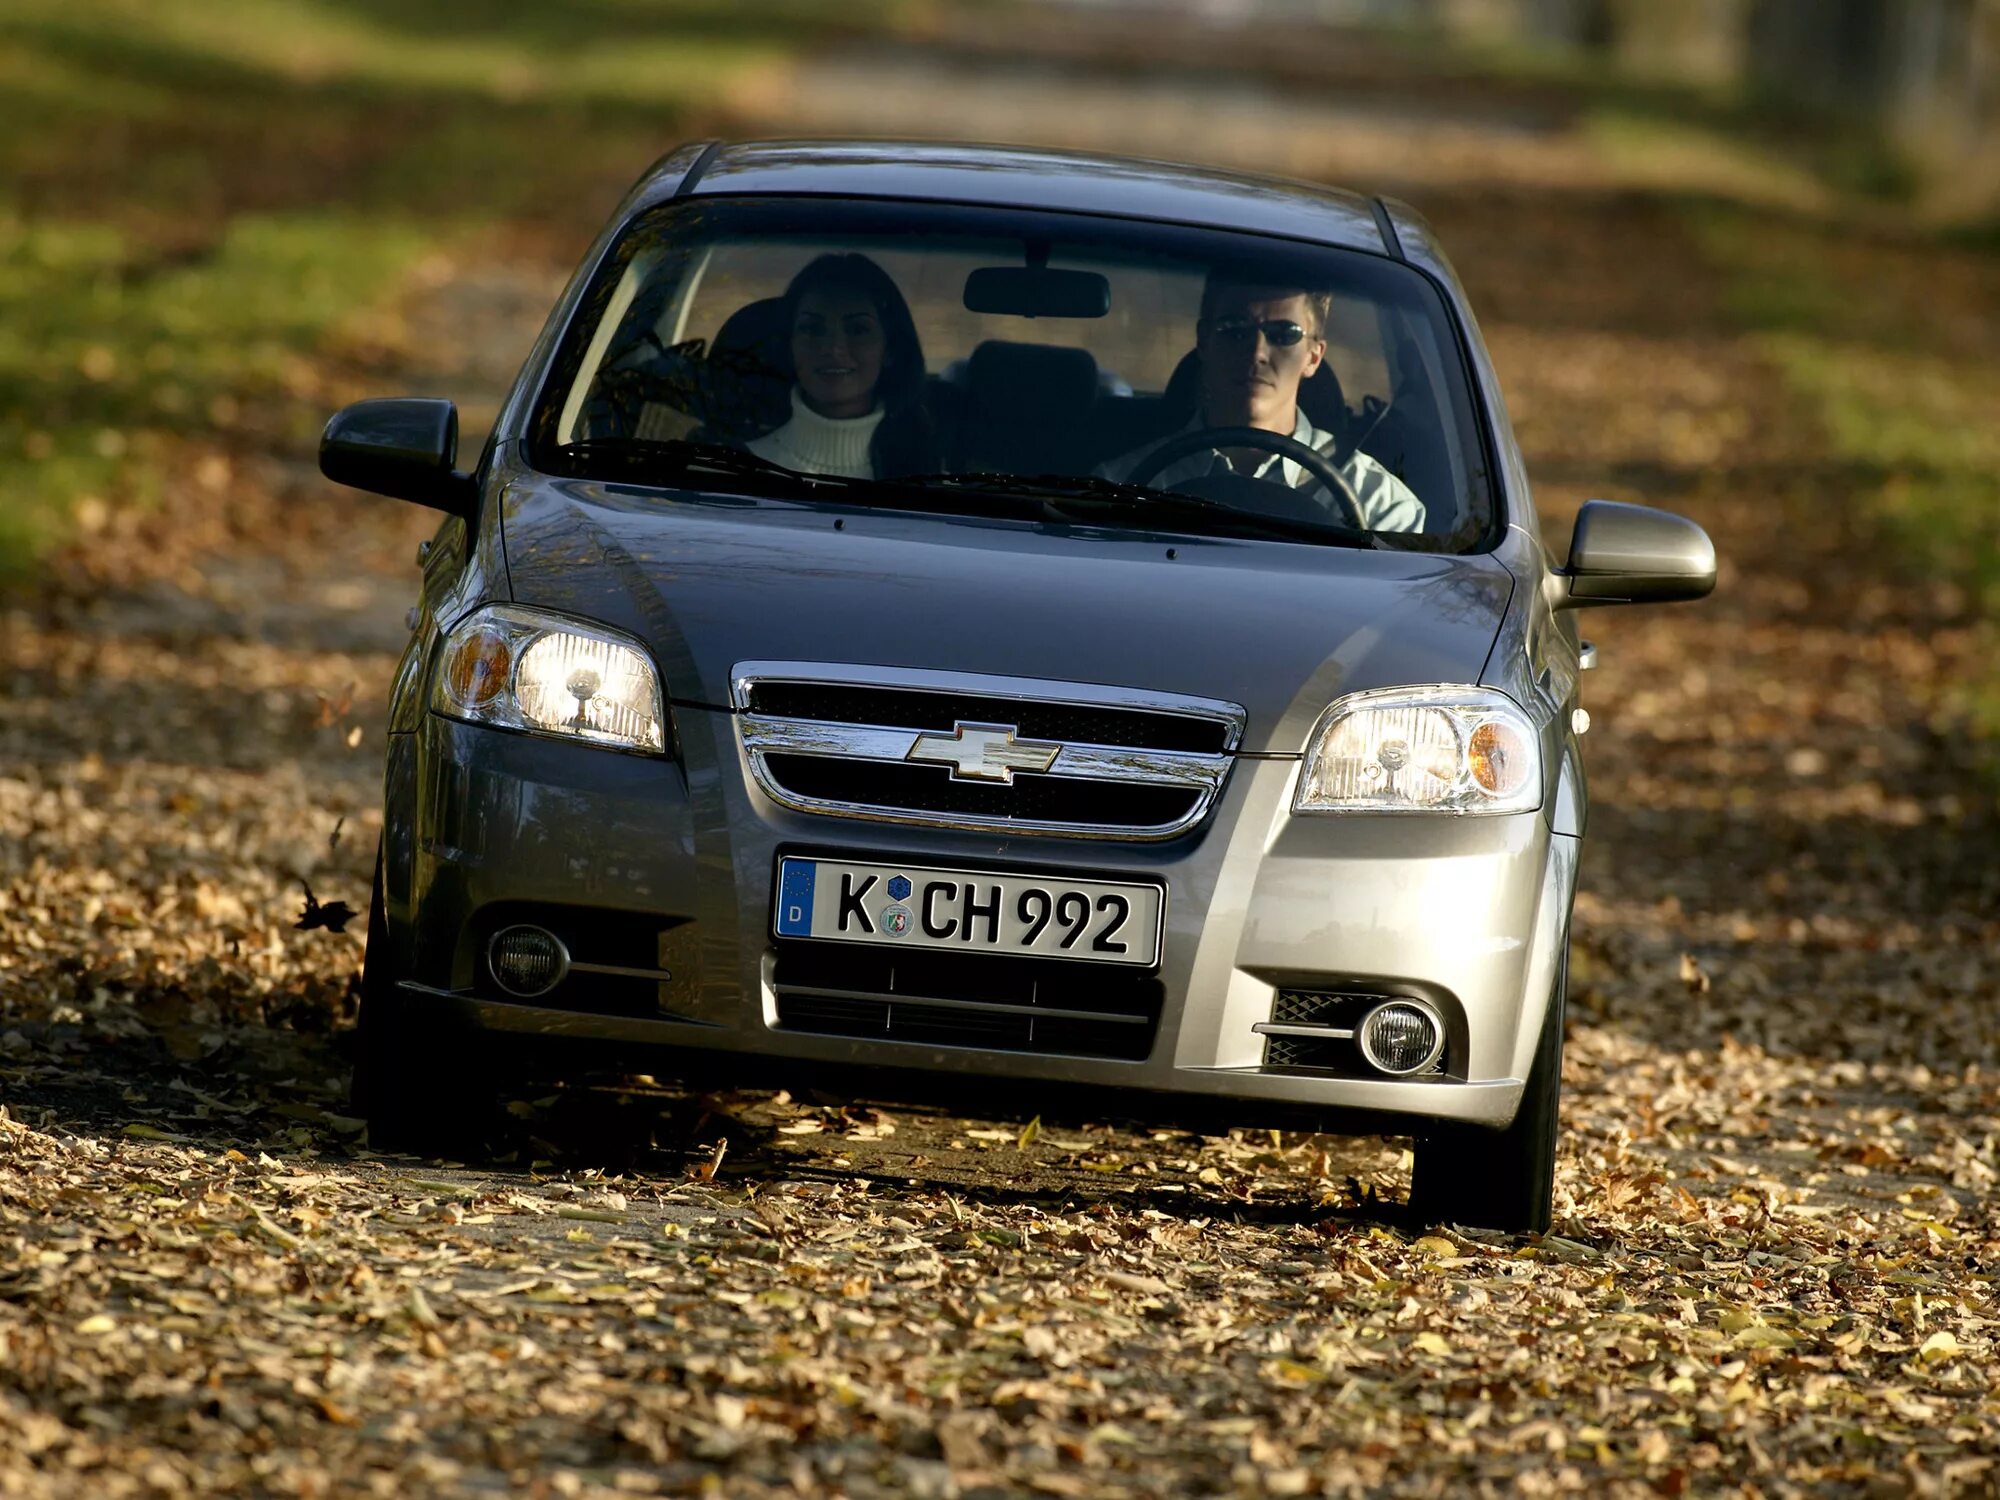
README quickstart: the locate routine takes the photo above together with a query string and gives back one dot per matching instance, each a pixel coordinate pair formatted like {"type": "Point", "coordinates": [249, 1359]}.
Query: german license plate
{"type": "Point", "coordinates": [970, 911]}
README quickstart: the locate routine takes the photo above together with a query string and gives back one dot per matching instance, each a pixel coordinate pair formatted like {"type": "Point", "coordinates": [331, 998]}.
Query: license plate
{"type": "Point", "coordinates": [969, 911]}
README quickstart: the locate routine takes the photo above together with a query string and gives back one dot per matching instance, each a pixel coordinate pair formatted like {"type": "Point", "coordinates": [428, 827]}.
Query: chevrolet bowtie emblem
{"type": "Point", "coordinates": [984, 752]}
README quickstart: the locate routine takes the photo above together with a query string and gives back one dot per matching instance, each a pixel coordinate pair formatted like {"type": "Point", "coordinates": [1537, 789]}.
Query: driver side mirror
{"type": "Point", "coordinates": [1633, 554]}
{"type": "Point", "coordinates": [404, 447]}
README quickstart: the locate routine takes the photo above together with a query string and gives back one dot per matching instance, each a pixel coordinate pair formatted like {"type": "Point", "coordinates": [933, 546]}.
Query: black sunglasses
{"type": "Point", "coordinates": [1279, 333]}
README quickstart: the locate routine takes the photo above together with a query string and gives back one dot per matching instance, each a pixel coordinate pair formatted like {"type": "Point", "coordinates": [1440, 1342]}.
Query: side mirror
{"type": "Point", "coordinates": [404, 447]}
{"type": "Point", "coordinates": [1633, 554]}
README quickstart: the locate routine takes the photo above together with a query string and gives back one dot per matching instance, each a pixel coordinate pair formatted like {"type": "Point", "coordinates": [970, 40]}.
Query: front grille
{"type": "Point", "coordinates": [987, 1003]}
{"type": "Point", "coordinates": [1033, 798]}
{"type": "Point", "coordinates": [1005, 754]}
{"type": "Point", "coordinates": [1075, 723]}
{"type": "Point", "coordinates": [1321, 1008]}
{"type": "Point", "coordinates": [1306, 1052]}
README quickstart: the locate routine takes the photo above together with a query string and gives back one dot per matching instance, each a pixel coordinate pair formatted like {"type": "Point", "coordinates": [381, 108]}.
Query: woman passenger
{"type": "Point", "coordinates": [857, 376]}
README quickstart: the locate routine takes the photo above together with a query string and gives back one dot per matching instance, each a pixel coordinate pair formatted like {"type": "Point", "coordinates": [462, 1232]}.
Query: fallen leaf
{"type": "Point", "coordinates": [332, 915]}
{"type": "Point", "coordinates": [1148, 1286]}
{"type": "Point", "coordinates": [1939, 1347]}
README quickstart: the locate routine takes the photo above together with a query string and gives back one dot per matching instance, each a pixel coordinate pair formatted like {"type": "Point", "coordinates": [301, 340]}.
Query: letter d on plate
{"type": "Point", "coordinates": [795, 898]}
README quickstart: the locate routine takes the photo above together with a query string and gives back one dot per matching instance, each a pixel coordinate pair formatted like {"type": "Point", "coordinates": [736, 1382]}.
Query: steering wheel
{"type": "Point", "coordinates": [1316, 463]}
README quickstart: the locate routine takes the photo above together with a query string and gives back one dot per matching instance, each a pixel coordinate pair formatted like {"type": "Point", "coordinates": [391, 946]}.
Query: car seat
{"type": "Point", "coordinates": [736, 388]}
{"type": "Point", "coordinates": [1026, 409]}
{"type": "Point", "coordinates": [746, 381]}
{"type": "Point", "coordinates": [1403, 437]}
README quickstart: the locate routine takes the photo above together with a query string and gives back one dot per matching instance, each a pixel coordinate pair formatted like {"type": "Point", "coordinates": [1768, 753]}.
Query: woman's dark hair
{"type": "Point", "coordinates": [906, 442]}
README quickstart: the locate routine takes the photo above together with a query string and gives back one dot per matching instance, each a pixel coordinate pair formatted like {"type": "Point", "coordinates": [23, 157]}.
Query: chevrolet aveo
{"type": "Point", "coordinates": [996, 625]}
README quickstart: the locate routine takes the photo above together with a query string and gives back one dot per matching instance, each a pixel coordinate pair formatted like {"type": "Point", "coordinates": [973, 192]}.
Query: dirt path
{"type": "Point", "coordinates": [1775, 1253]}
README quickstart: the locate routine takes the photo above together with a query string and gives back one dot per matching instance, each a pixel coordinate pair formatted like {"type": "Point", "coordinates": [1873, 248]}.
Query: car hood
{"type": "Point", "coordinates": [1282, 629]}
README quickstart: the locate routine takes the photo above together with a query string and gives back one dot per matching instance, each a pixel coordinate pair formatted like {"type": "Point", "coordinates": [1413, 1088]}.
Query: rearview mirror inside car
{"type": "Point", "coordinates": [1037, 292]}
{"type": "Point", "coordinates": [403, 446]}
{"type": "Point", "coordinates": [1633, 554]}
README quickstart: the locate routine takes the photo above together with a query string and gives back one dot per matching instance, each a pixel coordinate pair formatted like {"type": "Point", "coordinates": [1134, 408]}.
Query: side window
{"type": "Point", "coordinates": [1410, 429]}
{"type": "Point", "coordinates": [609, 331]}
{"type": "Point", "coordinates": [738, 273]}
{"type": "Point", "coordinates": [1354, 350]}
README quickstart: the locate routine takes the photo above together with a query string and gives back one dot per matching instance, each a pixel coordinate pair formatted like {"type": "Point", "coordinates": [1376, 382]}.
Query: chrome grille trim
{"type": "Point", "coordinates": [763, 736]}
{"type": "Point", "coordinates": [766, 735]}
{"type": "Point", "coordinates": [748, 674]}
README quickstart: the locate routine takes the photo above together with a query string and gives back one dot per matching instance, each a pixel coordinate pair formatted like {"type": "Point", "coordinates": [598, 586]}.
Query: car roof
{"type": "Point", "coordinates": [1025, 177]}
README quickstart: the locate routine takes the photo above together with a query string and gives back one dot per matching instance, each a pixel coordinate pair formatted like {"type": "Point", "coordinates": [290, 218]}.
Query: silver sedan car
{"type": "Point", "coordinates": [1033, 630]}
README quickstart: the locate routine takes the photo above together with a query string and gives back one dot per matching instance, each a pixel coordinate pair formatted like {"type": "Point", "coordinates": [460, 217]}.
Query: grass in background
{"type": "Point", "coordinates": [195, 195]}
{"type": "Point", "coordinates": [104, 356]}
{"type": "Point", "coordinates": [1658, 121]}
{"type": "Point", "coordinates": [1652, 152]}
{"type": "Point", "coordinates": [1890, 334]}
{"type": "Point", "coordinates": [1895, 343]}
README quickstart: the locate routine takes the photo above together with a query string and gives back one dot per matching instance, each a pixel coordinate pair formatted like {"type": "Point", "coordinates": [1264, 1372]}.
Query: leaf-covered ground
{"type": "Point", "coordinates": [1774, 1258]}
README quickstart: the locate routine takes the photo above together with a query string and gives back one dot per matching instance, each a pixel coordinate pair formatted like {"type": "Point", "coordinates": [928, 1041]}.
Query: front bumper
{"type": "Point", "coordinates": [1469, 912]}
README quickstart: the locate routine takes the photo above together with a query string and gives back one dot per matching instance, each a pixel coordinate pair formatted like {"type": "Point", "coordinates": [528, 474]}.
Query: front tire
{"type": "Point", "coordinates": [1501, 1179]}
{"type": "Point", "coordinates": [420, 1092]}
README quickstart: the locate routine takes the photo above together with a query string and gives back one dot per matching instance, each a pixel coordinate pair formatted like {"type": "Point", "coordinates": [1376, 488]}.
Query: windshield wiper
{"type": "Point", "coordinates": [1056, 486]}
{"type": "Point", "coordinates": [1059, 495]}
{"type": "Point", "coordinates": [675, 458]}
{"type": "Point", "coordinates": [1093, 491]}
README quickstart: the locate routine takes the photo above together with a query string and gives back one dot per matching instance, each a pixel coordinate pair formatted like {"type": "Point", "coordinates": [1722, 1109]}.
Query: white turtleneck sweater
{"type": "Point", "coordinates": [814, 444]}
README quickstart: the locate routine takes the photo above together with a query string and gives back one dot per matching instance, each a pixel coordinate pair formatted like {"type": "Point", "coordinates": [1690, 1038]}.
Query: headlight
{"type": "Point", "coordinates": [1429, 749]}
{"type": "Point", "coordinates": [521, 670]}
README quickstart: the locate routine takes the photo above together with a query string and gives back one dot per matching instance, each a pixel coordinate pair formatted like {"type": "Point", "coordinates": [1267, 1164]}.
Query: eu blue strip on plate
{"type": "Point", "coordinates": [795, 898]}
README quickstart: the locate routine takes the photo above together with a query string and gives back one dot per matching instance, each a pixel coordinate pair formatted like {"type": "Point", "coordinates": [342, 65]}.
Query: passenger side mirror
{"type": "Point", "coordinates": [1633, 554]}
{"type": "Point", "coordinates": [404, 447]}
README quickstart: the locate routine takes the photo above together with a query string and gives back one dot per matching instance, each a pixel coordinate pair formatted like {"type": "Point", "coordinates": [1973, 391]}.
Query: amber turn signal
{"type": "Point", "coordinates": [1501, 758]}
{"type": "Point", "coordinates": [477, 669]}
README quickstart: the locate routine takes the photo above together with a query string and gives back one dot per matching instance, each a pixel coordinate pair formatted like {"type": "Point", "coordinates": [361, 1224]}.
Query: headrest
{"type": "Point", "coordinates": [748, 373]}
{"type": "Point", "coordinates": [755, 329]}
{"type": "Point", "coordinates": [1027, 379]}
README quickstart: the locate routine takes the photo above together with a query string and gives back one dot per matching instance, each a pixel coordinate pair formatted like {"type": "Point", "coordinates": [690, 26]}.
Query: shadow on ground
{"type": "Point", "coordinates": [276, 1089]}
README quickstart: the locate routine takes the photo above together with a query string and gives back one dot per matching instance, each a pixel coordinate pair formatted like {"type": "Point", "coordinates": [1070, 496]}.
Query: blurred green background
{"type": "Point", "coordinates": [196, 197]}
{"type": "Point", "coordinates": [1839, 162]}
{"type": "Point", "coordinates": [209, 209]}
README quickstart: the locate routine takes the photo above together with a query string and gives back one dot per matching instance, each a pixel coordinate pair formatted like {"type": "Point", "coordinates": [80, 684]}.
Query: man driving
{"type": "Point", "coordinates": [1257, 344]}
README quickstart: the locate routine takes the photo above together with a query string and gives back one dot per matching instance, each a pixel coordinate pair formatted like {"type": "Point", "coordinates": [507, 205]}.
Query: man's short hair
{"type": "Point", "coordinates": [1320, 303]}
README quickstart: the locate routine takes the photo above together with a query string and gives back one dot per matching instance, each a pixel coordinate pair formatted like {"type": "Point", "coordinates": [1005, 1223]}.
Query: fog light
{"type": "Point", "coordinates": [1401, 1037]}
{"type": "Point", "coordinates": [527, 961]}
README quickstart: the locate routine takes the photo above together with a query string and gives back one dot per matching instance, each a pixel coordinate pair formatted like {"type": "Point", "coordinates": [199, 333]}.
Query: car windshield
{"type": "Point", "coordinates": [1096, 371]}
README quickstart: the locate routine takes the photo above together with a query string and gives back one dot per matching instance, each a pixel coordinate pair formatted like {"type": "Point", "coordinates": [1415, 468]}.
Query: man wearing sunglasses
{"type": "Point", "coordinates": [1257, 346]}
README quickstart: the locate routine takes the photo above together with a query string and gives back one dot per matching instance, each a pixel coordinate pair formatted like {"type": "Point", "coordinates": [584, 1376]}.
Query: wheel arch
{"type": "Point", "coordinates": [1548, 961]}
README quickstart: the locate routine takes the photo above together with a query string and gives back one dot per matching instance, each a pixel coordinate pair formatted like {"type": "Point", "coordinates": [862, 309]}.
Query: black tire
{"type": "Point", "coordinates": [420, 1093]}
{"type": "Point", "coordinates": [1501, 1179]}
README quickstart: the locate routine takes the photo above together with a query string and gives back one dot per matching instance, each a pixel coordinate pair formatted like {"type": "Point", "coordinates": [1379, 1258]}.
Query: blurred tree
{"type": "Point", "coordinates": [1925, 74]}
{"type": "Point", "coordinates": [1690, 41]}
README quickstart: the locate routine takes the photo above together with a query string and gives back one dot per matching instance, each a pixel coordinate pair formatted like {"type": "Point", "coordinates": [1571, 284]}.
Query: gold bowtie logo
{"type": "Point", "coordinates": [983, 752]}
